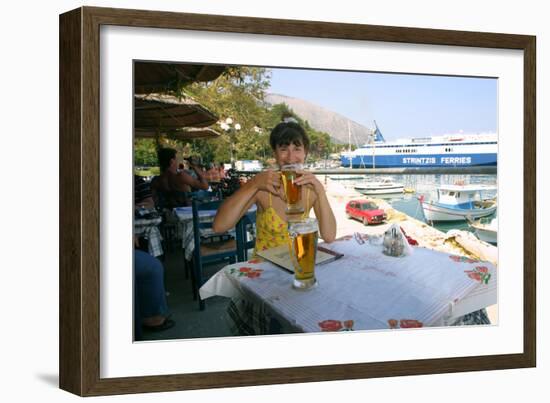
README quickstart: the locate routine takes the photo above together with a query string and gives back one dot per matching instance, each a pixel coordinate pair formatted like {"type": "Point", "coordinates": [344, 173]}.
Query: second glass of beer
{"type": "Point", "coordinates": [293, 192]}
{"type": "Point", "coordinates": [302, 246]}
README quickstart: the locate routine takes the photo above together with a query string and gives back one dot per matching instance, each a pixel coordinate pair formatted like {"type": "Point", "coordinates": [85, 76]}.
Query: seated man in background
{"type": "Point", "coordinates": [196, 163]}
{"type": "Point", "coordinates": [213, 173]}
{"type": "Point", "coordinates": [171, 186]}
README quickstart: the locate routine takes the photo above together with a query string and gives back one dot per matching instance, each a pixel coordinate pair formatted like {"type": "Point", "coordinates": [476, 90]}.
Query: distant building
{"type": "Point", "coordinates": [248, 165]}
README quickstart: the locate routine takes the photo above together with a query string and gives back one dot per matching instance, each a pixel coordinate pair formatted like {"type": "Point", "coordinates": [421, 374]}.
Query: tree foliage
{"type": "Point", "coordinates": [145, 153]}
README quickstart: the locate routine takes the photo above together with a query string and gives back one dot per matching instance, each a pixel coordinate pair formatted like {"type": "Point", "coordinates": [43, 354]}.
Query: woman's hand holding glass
{"type": "Point", "coordinates": [270, 181]}
{"type": "Point", "coordinates": [308, 178]}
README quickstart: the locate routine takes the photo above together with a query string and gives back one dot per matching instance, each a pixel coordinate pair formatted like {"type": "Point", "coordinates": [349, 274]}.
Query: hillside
{"type": "Point", "coordinates": [323, 119]}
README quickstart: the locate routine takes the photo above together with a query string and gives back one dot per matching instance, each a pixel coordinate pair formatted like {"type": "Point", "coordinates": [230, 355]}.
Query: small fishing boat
{"type": "Point", "coordinates": [486, 229]}
{"type": "Point", "coordinates": [381, 186]}
{"type": "Point", "coordinates": [459, 202]}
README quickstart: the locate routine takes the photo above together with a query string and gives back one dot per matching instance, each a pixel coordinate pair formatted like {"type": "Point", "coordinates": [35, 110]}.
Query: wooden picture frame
{"type": "Point", "coordinates": [80, 200]}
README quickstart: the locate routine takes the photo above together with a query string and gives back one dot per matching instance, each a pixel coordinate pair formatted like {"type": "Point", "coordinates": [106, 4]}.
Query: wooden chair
{"type": "Point", "coordinates": [209, 247]}
{"type": "Point", "coordinates": [245, 227]}
{"type": "Point", "coordinates": [164, 203]}
{"type": "Point", "coordinates": [205, 195]}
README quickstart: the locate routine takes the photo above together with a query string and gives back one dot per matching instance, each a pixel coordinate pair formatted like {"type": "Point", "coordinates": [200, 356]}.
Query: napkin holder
{"type": "Point", "coordinates": [395, 244]}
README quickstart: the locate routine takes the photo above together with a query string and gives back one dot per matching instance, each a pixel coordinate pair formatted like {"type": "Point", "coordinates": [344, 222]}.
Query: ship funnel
{"type": "Point", "coordinates": [378, 137]}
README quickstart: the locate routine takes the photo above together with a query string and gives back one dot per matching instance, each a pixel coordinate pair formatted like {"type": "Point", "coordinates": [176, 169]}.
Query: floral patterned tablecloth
{"type": "Point", "coordinates": [363, 290]}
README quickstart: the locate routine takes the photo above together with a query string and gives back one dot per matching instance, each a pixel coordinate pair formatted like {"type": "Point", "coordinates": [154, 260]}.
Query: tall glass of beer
{"type": "Point", "coordinates": [303, 251]}
{"type": "Point", "coordinates": [293, 192]}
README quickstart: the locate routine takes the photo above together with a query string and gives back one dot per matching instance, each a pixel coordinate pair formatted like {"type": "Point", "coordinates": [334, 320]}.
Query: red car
{"type": "Point", "coordinates": [365, 210]}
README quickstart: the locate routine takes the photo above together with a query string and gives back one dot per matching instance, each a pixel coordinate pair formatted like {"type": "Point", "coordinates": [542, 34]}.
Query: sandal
{"type": "Point", "coordinates": [167, 324]}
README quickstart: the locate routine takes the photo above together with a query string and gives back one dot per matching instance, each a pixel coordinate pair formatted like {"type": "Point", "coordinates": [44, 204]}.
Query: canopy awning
{"type": "Point", "coordinates": [180, 134]}
{"type": "Point", "coordinates": [163, 112]}
{"type": "Point", "coordinates": [156, 77]}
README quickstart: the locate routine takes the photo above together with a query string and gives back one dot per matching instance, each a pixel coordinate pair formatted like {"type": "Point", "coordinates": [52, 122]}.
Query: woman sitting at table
{"type": "Point", "coordinates": [170, 188]}
{"type": "Point", "coordinates": [290, 145]}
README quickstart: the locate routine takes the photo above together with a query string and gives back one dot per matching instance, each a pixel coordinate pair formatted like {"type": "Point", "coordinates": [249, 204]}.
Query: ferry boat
{"type": "Point", "coordinates": [457, 150]}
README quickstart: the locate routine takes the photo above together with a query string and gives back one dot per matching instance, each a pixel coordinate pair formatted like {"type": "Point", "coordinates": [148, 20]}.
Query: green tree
{"type": "Point", "coordinates": [145, 153]}
{"type": "Point", "coordinates": [237, 94]}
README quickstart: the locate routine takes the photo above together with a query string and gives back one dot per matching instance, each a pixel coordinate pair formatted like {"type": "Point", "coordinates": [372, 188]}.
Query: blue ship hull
{"type": "Point", "coordinates": [421, 160]}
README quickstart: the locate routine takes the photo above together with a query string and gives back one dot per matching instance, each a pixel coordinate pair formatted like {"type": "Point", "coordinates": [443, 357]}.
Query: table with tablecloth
{"type": "Point", "coordinates": [148, 228]}
{"type": "Point", "coordinates": [363, 290]}
{"type": "Point", "coordinates": [185, 224]}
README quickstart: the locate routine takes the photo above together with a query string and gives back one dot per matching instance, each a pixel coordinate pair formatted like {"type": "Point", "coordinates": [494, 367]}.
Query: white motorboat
{"type": "Point", "coordinates": [381, 186]}
{"type": "Point", "coordinates": [344, 177]}
{"type": "Point", "coordinates": [485, 229]}
{"type": "Point", "coordinates": [458, 203]}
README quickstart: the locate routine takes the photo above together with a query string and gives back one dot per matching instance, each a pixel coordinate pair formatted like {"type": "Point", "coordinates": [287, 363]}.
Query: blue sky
{"type": "Point", "coordinates": [403, 105]}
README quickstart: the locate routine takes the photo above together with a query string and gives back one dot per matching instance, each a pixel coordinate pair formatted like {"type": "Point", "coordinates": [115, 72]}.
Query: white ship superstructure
{"type": "Point", "coordinates": [454, 150]}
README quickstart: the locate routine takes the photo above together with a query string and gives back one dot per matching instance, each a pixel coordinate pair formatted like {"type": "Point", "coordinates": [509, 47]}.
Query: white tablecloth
{"type": "Point", "coordinates": [364, 290]}
{"type": "Point", "coordinates": [148, 227]}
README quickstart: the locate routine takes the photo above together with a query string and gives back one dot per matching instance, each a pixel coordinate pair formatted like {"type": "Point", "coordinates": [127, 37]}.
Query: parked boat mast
{"type": "Point", "coordinates": [373, 137]}
{"type": "Point", "coordinates": [349, 147]}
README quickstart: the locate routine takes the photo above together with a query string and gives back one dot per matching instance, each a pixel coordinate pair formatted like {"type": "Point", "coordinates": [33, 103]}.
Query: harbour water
{"type": "Point", "coordinates": [424, 186]}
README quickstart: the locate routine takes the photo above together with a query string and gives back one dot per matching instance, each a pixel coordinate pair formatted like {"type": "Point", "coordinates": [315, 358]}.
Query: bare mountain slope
{"type": "Point", "coordinates": [323, 119]}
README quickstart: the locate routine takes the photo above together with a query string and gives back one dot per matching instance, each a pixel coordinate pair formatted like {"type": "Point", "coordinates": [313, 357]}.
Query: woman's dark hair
{"type": "Point", "coordinates": [164, 156]}
{"type": "Point", "coordinates": [288, 132]}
